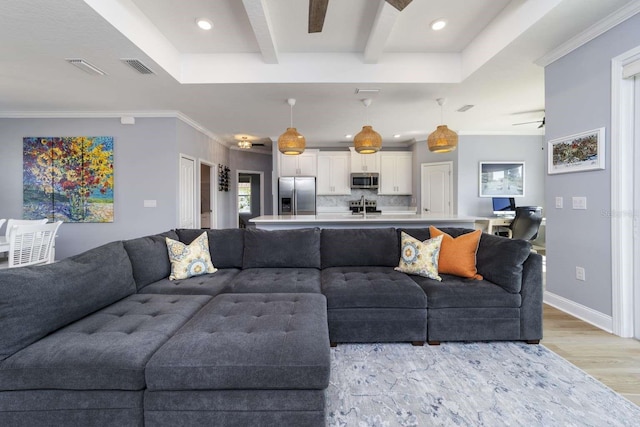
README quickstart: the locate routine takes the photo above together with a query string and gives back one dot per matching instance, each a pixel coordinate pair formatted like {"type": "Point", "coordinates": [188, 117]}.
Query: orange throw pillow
{"type": "Point", "coordinates": [458, 256]}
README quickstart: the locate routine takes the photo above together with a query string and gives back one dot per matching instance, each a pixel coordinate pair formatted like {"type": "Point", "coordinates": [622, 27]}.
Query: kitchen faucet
{"type": "Point", "coordinates": [364, 207]}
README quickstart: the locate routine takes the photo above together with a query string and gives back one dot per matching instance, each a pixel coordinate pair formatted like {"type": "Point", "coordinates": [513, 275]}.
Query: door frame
{"type": "Point", "coordinates": [623, 271]}
{"type": "Point", "coordinates": [235, 192]}
{"type": "Point", "coordinates": [213, 178]}
{"type": "Point", "coordinates": [422, 179]}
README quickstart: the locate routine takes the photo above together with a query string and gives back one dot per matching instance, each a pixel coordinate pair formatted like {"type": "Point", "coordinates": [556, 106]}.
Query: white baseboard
{"type": "Point", "coordinates": [580, 311]}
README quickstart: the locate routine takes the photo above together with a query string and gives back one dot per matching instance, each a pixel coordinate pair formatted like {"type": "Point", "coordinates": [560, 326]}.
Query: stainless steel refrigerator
{"type": "Point", "coordinates": [297, 195]}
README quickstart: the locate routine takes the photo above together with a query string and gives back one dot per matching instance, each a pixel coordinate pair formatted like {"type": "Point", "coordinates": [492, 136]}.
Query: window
{"type": "Point", "coordinates": [244, 194]}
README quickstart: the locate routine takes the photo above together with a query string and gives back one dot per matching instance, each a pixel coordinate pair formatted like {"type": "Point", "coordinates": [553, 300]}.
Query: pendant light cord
{"type": "Point", "coordinates": [291, 115]}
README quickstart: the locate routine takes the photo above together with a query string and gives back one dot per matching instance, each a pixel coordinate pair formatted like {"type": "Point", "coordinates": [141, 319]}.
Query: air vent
{"type": "Point", "coordinates": [465, 108]}
{"type": "Point", "coordinates": [86, 67]}
{"type": "Point", "coordinates": [137, 65]}
{"type": "Point", "coordinates": [367, 91]}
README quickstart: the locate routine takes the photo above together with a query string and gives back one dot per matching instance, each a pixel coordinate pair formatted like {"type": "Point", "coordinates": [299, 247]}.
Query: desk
{"type": "Point", "coordinates": [491, 224]}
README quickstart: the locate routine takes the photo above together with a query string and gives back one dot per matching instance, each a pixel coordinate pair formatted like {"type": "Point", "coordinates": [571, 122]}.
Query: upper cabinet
{"type": "Point", "coordinates": [364, 162]}
{"type": "Point", "coordinates": [395, 173]}
{"type": "Point", "coordinates": [333, 173]}
{"type": "Point", "coordinates": [304, 164]}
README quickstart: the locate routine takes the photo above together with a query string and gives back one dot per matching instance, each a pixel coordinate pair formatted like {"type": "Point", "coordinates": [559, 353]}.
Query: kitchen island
{"type": "Point", "coordinates": [347, 220]}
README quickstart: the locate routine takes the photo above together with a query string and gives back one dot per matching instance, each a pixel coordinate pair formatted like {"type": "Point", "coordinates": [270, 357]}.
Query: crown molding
{"type": "Point", "coordinates": [112, 114]}
{"type": "Point", "coordinates": [532, 132]}
{"type": "Point", "coordinates": [600, 27]}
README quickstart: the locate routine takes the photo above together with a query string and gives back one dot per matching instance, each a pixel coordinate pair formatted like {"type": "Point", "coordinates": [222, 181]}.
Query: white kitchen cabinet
{"type": "Point", "coordinates": [364, 162]}
{"type": "Point", "coordinates": [304, 164]}
{"type": "Point", "coordinates": [333, 173]}
{"type": "Point", "coordinates": [395, 173]}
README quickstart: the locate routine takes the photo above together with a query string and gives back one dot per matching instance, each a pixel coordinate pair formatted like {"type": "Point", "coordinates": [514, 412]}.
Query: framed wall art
{"type": "Point", "coordinates": [68, 178]}
{"type": "Point", "coordinates": [577, 153]}
{"type": "Point", "coordinates": [501, 179]}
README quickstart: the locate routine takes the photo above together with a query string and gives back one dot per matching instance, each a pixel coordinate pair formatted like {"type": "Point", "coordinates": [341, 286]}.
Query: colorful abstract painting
{"type": "Point", "coordinates": [68, 178]}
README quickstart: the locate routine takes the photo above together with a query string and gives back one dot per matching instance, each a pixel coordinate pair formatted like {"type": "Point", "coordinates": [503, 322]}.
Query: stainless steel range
{"type": "Point", "coordinates": [368, 205]}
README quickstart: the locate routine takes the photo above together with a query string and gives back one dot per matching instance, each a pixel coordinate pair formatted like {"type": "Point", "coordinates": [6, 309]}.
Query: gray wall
{"type": "Point", "coordinates": [145, 167]}
{"type": "Point", "coordinates": [473, 149]}
{"type": "Point", "coordinates": [578, 98]}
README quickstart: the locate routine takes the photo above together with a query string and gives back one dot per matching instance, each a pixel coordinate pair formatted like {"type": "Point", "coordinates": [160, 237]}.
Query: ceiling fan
{"type": "Point", "coordinates": [542, 123]}
{"type": "Point", "coordinates": [318, 10]}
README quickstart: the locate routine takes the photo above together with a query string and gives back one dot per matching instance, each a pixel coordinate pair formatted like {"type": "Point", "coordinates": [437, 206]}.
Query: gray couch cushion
{"type": "Point", "coordinates": [206, 284]}
{"type": "Point", "coordinates": [370, 287]}
{"type": "Point", "coordinates": [282, 248]}
{"type": "Point", "coordinates": [105, 350]}
{"type": "Point", "coordinates": [501, 260]}
{"type": "Point", "coordinates": [35, 301]}
{"type": "Point", "coordinates": [149, 257]}
{"type": "Point", "coordinates": [457, 292]}
{"type": "Point", "coordinates": [353, 247]}
{"type": "Point", "coordinates": [247, 341]}
{"type": "Point", "coordinates": [276, 280]}
{"type": "Point", "coordinates": [226, 246]}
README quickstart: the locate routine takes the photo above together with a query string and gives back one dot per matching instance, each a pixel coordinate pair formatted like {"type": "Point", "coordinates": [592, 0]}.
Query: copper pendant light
{"type": "Point", "coordinates": [367, 141]}
{"type": "Point", "coordinates": [443, 139]}
{"type": "Point", "coordinates": [291, 143]}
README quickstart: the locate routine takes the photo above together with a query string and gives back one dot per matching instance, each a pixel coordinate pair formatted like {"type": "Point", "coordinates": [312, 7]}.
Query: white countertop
{"type": "Point", "coordinates": [326, 218]}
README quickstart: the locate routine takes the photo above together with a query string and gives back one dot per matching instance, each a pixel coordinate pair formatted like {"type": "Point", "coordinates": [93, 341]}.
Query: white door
{"type": "Point", "coordinates": [187, 196]}
{"type": "Point", "coordinates": [436, 183]}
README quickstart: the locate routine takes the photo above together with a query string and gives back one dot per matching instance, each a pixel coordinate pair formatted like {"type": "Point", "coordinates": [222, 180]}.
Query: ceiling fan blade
{"type": "Point", "coordinates": [399, 4]}
{"type": "Point", "coordinates": [528, 123]}
{"type": "Point", "coordinates": [544, 119]}
{"type": "Point", "coordinates": [317, 12]}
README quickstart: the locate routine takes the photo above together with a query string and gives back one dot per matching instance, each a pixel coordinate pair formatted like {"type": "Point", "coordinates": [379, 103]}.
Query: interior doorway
{"type": "Point", "coordinates": [437, 188]}
{"type": "Point", "coordinates": [207, 217]}
{"type": "Point", "coordinates": [249, 197]}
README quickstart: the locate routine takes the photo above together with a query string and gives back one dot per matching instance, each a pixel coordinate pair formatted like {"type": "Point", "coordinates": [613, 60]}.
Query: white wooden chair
{"type": "Point", "coordinates": [13, 222]}
{"type": "Point", "coordinates": [2, 221]}
{"type": "Point", "coordinates": [31, 244]}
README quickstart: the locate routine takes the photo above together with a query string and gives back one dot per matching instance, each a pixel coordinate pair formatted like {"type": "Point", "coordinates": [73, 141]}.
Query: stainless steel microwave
{"type": "Point", "coordinates": [364, 180]}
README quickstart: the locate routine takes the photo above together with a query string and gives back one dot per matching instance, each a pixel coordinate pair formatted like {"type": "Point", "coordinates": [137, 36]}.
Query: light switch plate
{"type": "Point", "coordinates": [579, 202]}
{"type": "Point", "coordinates": [559, 202]}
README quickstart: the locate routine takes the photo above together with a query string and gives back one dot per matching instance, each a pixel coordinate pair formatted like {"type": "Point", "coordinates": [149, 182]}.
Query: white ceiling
{"type": "Point", "coordinates": [235, 79]}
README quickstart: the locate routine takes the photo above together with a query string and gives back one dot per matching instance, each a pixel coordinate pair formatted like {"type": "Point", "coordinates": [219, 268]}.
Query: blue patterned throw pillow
{"type": "Point", "coordinates": [189, 260]}
{"type": "Point", "coordinates": [419, 258]}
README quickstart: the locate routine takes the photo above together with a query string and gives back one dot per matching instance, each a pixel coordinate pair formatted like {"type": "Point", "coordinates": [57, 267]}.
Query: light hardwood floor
{"type": "Point", "coordinates": [612, 360]}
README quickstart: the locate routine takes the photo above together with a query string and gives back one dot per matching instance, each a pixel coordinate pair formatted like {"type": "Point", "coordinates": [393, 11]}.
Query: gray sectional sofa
{"type": "Point", "coordinates": [104, 338]}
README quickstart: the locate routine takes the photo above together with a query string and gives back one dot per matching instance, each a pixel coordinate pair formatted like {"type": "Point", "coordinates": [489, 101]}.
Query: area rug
{"type": "Point", "coordinates": [467, 384]}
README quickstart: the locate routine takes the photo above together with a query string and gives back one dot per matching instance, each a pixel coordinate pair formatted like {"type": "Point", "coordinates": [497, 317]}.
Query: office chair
{"type": "Point", "coordinates": [526, 223]}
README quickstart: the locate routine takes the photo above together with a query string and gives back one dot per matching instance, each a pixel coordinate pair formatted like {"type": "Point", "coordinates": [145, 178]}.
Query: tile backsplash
{"type": "Point", "coordinates": [343, 201]}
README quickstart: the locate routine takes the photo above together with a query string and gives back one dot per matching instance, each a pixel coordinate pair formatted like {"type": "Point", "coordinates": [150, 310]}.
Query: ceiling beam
{"type": "Point", "coordinates": [383, 23]}
{"type": "Point", "coordinates": [399, 4]}
{"type": "Point", "coordinates": [261, 24]}
{"type": "Point", "coordinates": [317, 12]}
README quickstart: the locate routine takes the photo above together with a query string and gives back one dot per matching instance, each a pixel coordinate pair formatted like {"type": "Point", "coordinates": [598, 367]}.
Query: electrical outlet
{"type": "Point", "coordinates": [559, 202]}
{"type": "Point", "coordinates": [579, 202]}
{"type": "Point", "coordinates": [149, 203]}
{"type": "Point", "coordinates": [580, 273]}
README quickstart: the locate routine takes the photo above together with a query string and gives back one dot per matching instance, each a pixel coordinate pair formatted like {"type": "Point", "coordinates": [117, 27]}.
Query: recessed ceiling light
{"type": "Point", "coordinates": [348, 136]}
{"type": "Point", "coordinates": [204, 24]}
{"type": "Point", "coordinates": [397, 135]}
{"type": "Point", "coordinates": [438, 24]}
